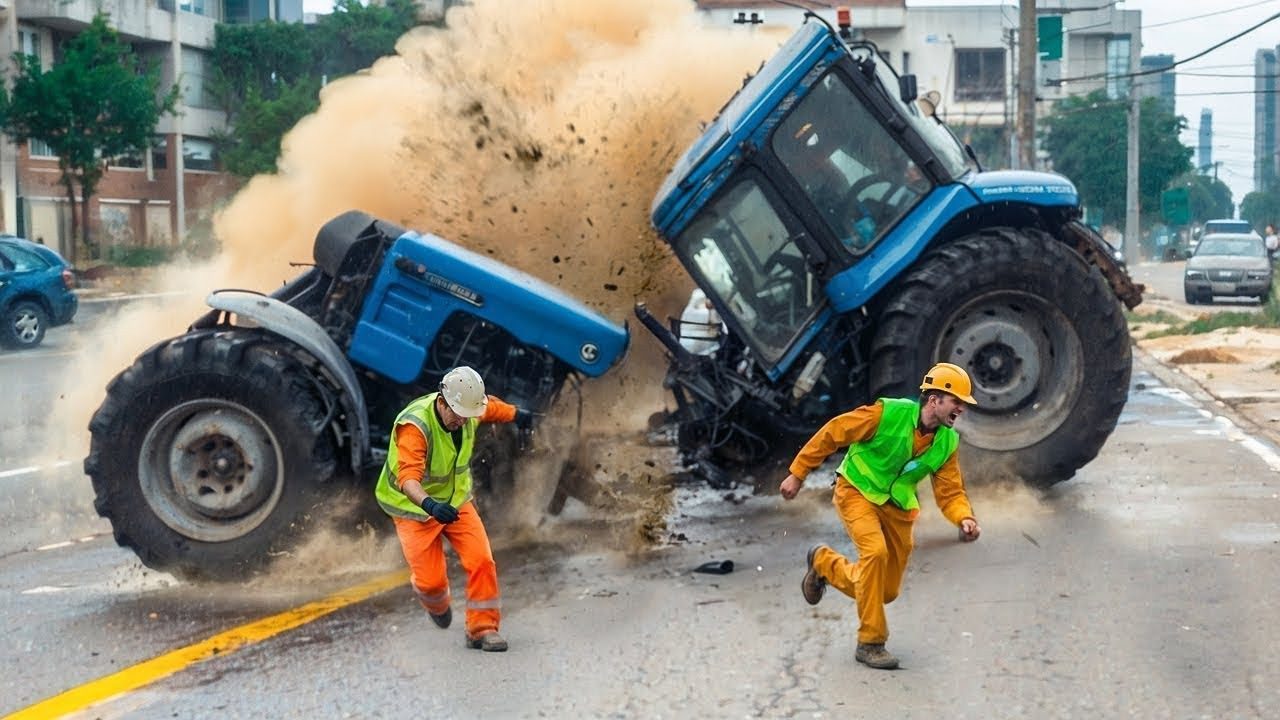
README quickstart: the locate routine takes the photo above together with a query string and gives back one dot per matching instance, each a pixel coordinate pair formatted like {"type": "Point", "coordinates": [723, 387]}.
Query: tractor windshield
{"type": "Point", "coordinates": [743, 253]}
{"type": "Point", "coordinates": [856, 174]}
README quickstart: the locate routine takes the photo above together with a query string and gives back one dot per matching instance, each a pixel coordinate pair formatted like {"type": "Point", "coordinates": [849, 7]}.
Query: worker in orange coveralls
{"type": "Point", "coordinates": [425, 487]}
{"type": "Point", "coordinates": [893, 445]}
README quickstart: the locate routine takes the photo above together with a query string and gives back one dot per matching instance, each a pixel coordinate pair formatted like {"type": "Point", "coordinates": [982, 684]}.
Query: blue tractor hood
{"type": "Point", "coordinates": [424, 279]}
{"type": "Point", "coordinates": [1037, 188]}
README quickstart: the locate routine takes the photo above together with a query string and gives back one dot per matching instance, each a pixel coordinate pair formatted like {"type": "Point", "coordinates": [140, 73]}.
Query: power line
{"type": "Point", "coordinates": [1166, 68]}
{"type": "Point", "coordinates": [1218, 12]}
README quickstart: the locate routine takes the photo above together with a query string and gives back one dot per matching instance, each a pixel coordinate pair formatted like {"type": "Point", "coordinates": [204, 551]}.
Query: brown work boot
{"type": "Point", "coordinates": [488, 642]}
{"type": "Point", "coordinates": [874, 655]}
{"type": "Point", "coordinates": [443, 619]}
{"type": "Point", "coordinates": [813, 585]}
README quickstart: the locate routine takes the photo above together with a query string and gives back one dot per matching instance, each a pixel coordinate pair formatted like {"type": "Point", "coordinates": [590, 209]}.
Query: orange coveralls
{"type": "Point", "coordinates": [424, 548]}
{"type": "Point", "coordinates": [881, 533]}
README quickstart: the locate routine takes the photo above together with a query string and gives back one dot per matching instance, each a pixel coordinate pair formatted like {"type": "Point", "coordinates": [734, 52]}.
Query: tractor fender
{"type": "Point", "coordinates": [290, 323]}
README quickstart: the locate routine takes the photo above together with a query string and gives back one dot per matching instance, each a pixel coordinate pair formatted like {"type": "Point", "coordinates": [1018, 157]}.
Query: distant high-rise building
{"type": "Point", "coordinates": [1264, 120]}
{"type": "Point", "coordinates": [1159, 85]}
{"type": "Point", "coordinates": [1205, 156]}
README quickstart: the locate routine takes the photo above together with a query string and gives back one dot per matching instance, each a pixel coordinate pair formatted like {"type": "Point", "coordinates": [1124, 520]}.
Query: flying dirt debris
{"type": "Point", "coordinates": [842, 236]}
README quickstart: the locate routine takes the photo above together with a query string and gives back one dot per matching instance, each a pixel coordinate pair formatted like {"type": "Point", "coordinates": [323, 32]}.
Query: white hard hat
{"type": "Point", "coordinates": [463, 389]}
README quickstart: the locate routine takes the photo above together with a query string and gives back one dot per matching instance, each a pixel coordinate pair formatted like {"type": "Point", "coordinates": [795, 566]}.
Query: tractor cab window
{"type": "Point", "coordinates": [857, 175]}
{"type": "Point", "coordinates": [744, 254]}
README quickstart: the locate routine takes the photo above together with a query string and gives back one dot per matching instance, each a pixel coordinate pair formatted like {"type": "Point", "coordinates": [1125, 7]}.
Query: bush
{"type": "Point", "coordinates": [134, 256]}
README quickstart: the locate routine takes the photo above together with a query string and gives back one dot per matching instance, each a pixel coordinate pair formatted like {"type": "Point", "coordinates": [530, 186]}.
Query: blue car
{"type": "Point", "coordinates": [35, 292]}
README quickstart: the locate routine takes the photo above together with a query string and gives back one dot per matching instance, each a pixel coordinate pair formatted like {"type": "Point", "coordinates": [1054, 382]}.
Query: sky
{"type": "Point", "coordinates": [1222, 79]}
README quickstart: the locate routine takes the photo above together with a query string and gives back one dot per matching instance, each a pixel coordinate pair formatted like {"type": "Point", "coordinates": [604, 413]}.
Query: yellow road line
{"type": "Point", "coordinates": [145, 673]}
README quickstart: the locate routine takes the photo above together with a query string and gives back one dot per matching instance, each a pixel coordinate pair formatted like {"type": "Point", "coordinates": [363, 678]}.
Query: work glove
{"type": "Point", "coordinates": [444, 512]}
{"type": "Point", "coordinates": [524, 418]}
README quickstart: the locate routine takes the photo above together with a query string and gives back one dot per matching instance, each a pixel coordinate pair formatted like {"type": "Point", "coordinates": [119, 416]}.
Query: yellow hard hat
{"type": "Point", "coordinates": [463, 390]}
{"type": "Point", "coordinates": [949, 379]}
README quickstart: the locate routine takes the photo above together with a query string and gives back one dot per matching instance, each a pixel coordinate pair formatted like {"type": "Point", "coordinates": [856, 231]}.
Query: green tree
{"type": "Point", "coordinates": [267, 75]}
{"type": "Point", "coordinates": [1261, 209]}
{"type": "Point", "coordinates": [99, 102]}
{"type": "Point", "coordinates": [1086, 139]}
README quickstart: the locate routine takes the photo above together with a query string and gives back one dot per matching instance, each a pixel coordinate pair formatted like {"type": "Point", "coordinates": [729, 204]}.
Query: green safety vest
{"type": "Point", "coordinates": [883, 469]}
{"type": "Point", "coordinates": [448, 476]}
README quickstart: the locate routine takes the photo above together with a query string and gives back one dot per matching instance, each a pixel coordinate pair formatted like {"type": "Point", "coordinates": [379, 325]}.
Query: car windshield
{"type": "Point", "coordinates": [1241, 247]}
{"type": "Point", "coordinates": [1227, 226]}
{"type": "Point", "coordinates": [854, 172]}
{"type": "Point", "coordinates": [745, 255]}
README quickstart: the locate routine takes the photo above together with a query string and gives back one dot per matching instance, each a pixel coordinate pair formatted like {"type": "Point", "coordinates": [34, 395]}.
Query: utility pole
{"type": "Point", "coordinates": [1028, 58]}
{"type": "Point", "coordinates": [1131, 218]}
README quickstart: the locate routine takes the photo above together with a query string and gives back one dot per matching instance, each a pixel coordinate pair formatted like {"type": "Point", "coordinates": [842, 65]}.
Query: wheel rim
{"type": "Point", "coordinates": [1026, 363]}
{"type": "Point", "coordinates": [211, 470]}
{"type": "Point", "coordinates": [26, 327]}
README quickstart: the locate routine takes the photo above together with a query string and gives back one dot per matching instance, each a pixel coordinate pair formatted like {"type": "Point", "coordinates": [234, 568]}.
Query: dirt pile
{"type": "Point", "coordinates": [1203, 355]}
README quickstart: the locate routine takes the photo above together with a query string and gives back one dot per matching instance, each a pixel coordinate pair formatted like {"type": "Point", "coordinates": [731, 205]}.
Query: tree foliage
{"type": "Point", "coordinates": [1207, 197]}
{"type": "Point", "coordinates": [1261, 209]}
{"type": "Point", "coordinates": [100, 101]}
{"type": "Point", "coordinates": [1086, 139]}
{"type": "Point", "coordinates": [268, 75]}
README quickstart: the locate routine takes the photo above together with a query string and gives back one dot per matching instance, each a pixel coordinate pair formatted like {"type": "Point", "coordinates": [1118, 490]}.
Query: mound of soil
{"type": "Point", "coordinates": [1203, 355]}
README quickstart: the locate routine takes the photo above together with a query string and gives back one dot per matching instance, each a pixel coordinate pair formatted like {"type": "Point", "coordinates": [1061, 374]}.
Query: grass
{"type": "Point", "coordinates": [1269, 317]}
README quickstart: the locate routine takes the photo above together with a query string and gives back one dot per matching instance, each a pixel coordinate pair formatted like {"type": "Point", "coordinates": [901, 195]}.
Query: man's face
{"type": "Point", "coordinates": [450, 419]}
{"type": "Point", "coordinates": [943, 409]}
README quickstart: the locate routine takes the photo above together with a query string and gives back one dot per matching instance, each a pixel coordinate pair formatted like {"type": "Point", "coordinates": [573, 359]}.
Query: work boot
{"type": "Point", "coordinates": [813, 585]}
{"type": "Point", "coordinates": [488, 642]}
{"type": "Point", "coordinates": [874, 655]}
{"type": "Point", "coordinates": [443, 619]}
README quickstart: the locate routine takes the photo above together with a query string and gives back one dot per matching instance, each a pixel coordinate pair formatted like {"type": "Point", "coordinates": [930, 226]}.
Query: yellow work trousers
{"type": "Point", "coordinates": [882, 536]}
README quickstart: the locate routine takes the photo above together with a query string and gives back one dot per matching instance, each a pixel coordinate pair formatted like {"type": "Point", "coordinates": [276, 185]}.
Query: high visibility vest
{"type": "Point", "coordinates": [448, 476]}
{"type": "Point", "coordinates": [883, 468]}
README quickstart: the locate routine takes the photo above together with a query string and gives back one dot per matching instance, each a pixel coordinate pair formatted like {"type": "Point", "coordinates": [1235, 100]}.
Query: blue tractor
{"type": "Point", "coordinates": [219, 449]}
{"type": "Point", "coordinates": [846, 241]}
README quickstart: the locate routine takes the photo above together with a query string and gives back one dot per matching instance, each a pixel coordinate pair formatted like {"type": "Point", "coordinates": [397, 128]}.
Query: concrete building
{"type": "Point", "coordinates": [1160, 85]}
{"type": "Point", "coordinates": [1264, 120]}
{"type": "Point", "coordinates": [146, 200]}
{"type": "Point", "coordinates": [969, 53]}
{"type": "Point", "coordinates": [1204, 150]}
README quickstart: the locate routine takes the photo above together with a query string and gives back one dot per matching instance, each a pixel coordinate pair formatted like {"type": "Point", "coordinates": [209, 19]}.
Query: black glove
{"type": "Point", "coordinates": [444, 512]}
{"type": "Point", "coordinates": [524, 418]}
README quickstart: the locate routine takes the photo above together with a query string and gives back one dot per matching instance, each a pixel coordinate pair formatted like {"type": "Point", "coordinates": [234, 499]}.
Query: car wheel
{"type": "Point", "coordinates": [24, 325]}
{"type": "Point", "coordinates": [1189, 296]}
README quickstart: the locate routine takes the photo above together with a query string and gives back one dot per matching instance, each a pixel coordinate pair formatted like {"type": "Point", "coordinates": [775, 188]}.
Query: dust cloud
{"type": "Point", "coordinates": [536, 132]}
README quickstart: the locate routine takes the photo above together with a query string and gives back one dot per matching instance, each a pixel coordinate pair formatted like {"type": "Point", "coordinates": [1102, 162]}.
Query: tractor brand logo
{"type": "Point", "coordinates": [1028, 189]}
{"type": "Point", "coordinates": [589, 353]}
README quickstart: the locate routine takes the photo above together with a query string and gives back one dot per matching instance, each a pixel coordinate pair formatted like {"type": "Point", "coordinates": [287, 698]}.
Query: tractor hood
{"type": "Point", "coordinates": [1037, 188]}
{"type": "Point", "coordinates": [424, 279]}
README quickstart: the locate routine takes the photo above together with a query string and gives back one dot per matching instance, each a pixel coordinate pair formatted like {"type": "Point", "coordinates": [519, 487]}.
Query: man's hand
{"type": "Point", "coordinates": [444, 512]}
{"type": "Point", "coordinates": [969, 530]}
{"type": "Point", "coordinates": [790, 486]}
{"type": "Point", "coordinates": [524, 418]}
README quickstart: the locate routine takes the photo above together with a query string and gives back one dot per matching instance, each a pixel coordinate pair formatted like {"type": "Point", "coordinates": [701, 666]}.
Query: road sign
{"type": "Point", "coordinates": [1049, 37]}
{"type": "Point", "coordinates": [1174, 206]}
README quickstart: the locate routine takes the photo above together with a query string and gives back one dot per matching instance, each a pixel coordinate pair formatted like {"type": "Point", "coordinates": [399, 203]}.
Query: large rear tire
{"type": "Point", "coordinates": [1039, 332]}
{"type": "Point", "coordinates": [209, 452]}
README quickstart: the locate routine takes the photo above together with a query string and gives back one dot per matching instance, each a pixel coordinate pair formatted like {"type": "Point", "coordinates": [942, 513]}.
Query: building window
{"type": "Point", "coordinates": [159, 152]}
{"type": "Point", "coordinates": [198, 154]}
{"type": "Point", "coordinates": [1118, 66]}
{"type": "Point", "coordinates": [40, 149]}
{"type": "Point", "coordinates": [29, 42]}
{"type": "Point", "coordinates": [906, 63]}
{"type": "Point", "coordinates": [979, 74]}
{"type": "Point", "coordinates": [194, 93]}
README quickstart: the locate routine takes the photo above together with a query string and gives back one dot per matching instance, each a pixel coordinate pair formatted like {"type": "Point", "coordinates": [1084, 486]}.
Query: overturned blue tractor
{"type": "Point", "coordinates": [847, 241]}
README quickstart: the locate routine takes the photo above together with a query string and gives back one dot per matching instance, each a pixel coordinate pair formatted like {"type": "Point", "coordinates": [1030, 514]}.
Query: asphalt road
{"type": "Point", "coordinates": [1144, 587]}
{"type": "Point", "coordinates": [1164, 285]}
